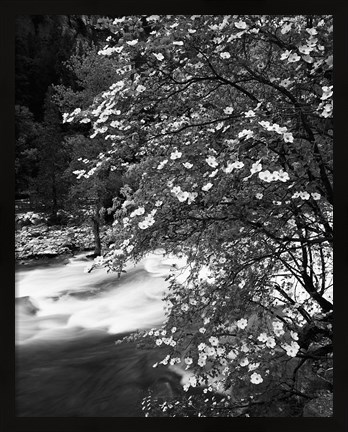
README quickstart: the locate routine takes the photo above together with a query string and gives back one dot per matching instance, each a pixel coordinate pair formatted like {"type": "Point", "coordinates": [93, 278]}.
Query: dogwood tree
{"type": "Point", "coordinates": [230, 118]}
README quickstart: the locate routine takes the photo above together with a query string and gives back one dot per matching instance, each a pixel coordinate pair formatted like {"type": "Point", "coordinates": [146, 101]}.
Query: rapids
{"type": "Point", "coordinates": [67, 322]}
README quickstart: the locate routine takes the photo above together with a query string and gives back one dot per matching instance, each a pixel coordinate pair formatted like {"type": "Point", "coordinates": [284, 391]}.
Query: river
{"type": "Point", "coordinates": [67, 323]}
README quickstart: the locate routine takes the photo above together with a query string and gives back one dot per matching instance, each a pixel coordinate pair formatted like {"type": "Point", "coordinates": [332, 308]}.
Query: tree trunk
{"type": "Point", "coordinates": [96, 234]}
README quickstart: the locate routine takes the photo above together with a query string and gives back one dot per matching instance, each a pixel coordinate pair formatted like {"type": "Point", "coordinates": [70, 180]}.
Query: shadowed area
{"type": "Point", "coordinates": [91, 376]}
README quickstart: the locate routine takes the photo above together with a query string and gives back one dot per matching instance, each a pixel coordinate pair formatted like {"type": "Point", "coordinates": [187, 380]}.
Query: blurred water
{"type": "Point", "coordinates": [67, 298]}
{"type": "Point", "coordinates": [67, 362]}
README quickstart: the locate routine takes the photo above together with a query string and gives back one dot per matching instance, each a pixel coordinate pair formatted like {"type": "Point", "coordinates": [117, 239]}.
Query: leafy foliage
{"type": "Point", "coordinates": [223, 125]}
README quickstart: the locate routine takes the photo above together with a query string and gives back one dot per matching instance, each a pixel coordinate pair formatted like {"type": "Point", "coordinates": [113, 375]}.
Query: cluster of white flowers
{"type": "Point", "coordinates": [79, 173]}
{"type": "Point", "coordinates": [278, 328]}
{"type": "Point", "coordinates": [287, 136]}
{"type": "Point", "coordinates": [67, 118]}
{"type": "Point", "coordinates": [182, 196]}
{"type": "Point", "coordinates": [108, 51]}
{"type": "Point", "coordinates": [290, 56]}
{"type": "Point", "coordinates": [247, 133]}
{"type": "Point", "coordinates": [305, 195]}
{"type": "Point", "coordinates": [148, 221]}
{"type": "Point", "coordinates": [137, 212]}
{"type": "Point", "coordinates": [233, 165]}
{"type": "Point", "coordinates": [325, 109]}
{"type": "Point", "coordinates": [268, 177]}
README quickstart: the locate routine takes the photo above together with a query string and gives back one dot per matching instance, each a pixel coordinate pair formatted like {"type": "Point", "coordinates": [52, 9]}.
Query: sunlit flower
{"type": "Point", "coordinates": [253, 366]}
{"type": "Point", "coordinates": [285, 82]}
{"type": "Point", "coordinates": [256, 378]}
{"type": "Point", "coordinates": [277, 325]}
{"type": "Point", "coordinates": [240, 25]}
{"type": "Point", "coordinates": [286, 28]}
{"type": "Point", "coordinates": [238, 165]}
{"type": "Point", "coordinates": [202, 359]}
{"type": "Point", "coordinates": [225, 55]}
{"type": "Point", "coordinates": [187, 165]}
{"type": "Point", "coordinates": [182, 196]}
{"type": "Point", "coordinates": [140, 88]}
{"type": "Point", "coordinates": [265, 176]}
{"type": "Point", "coordinates": [294, 335]}
{"type": "Point", "coordinates": [201, 346]}
{"type": "Point", "coordinates": [232, 355]}
{"type": "Point", "coordinates": [249, 113]}
{"type": "Point", "coordinates": [185, 307]}
{"type": "Point", "coordinates": [210, 351]}
{"type": "Point", "coordinates": [132, 42]}
{"type": "Point", "coordinates": [211, 161]}
{"type": "Point", "coordinates": [293, 58]}
{"type": "Point", "coordinates": [188, 360]}
{"type": "Point", "coordinates": [228, 110]}
{"type": "Point", "coordinates": [312, 31]}
{"type": "Point", "coordinates": [175, 155]}
{"type": "Point", "coordinates": [271, 343]}
{"type": "Point", "coordinates": [265, 124]}
{"type": "Point", "coordinates": [288, 137]}
{"type": "Point", "coordinates": [255, 167]}
{"type": "Point", "coordinates": [214, 340]}
{"type": "Point", "coordinates": [283, 176]}
{"type": "Point", "coordinates": [202, 330]}
{"type": "Point", "coordinates": [244, 362]}
{"type": "Point", "coordinates": [304, 195]}
{"type": "Point", "coordinates": [262, 337]}
{"type": "Point", "coordinates": [304, 49]}
{"type": "Point", "coordinates": [246, 133]}
{"type": "Point", "coordinates": [220, 351]}
{"type": "Point", "coordinates": [259, 196]}
{"type": "Point", "coordinates": [242, 323]}
{"type": "Point", "coordinates": [193, 381]}
{"type": "Point", "coordinates": [161, 165]}
{"type": "Point", "coordinates": [316, 196]}
{"type": "Point", "coordinates": [285, 55]}
{"type": "Point", "coordinates": [159, 342]}
{"type": "Point", "coordinates": [206, 187]}
{"type": "Point", "coordinates": [159, 56]}
{"type": "Point", "coordinates": [292, 349]}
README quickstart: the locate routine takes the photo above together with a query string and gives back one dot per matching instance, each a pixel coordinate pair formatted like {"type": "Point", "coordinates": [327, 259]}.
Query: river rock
{"type": "Point", "coordinates": [26, 305]}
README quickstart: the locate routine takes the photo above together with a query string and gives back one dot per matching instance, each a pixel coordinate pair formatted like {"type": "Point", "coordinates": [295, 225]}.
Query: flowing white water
{"type": "Point", "coordinates": [70, 300]}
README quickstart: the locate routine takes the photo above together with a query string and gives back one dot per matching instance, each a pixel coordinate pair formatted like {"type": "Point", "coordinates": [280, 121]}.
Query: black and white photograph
{"type": "Point", "coordinates": [174, 215]}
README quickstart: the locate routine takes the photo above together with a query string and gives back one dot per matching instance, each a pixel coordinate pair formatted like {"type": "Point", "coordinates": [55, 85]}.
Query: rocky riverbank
{"type": "Point", "coordinates": [36, 240]}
